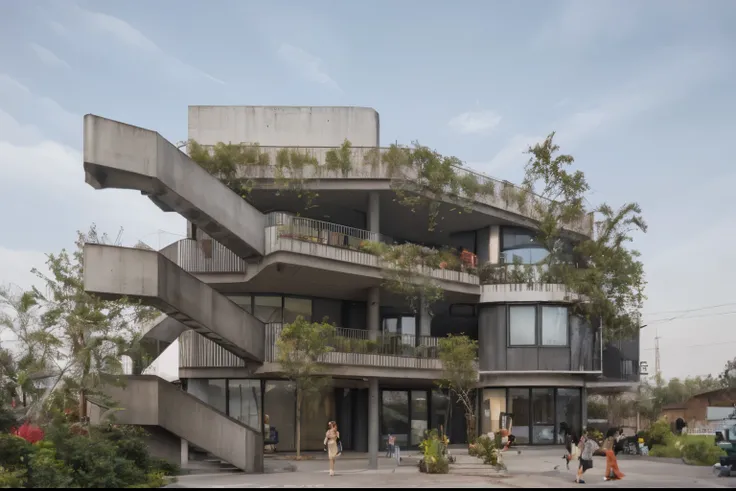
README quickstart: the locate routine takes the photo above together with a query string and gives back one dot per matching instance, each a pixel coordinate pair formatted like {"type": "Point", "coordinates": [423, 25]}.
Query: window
{"type": "Point", "coordinates": [294, 307]}
{"type": "Point", "coordinates": [520, 244]}
{"type": "Point", "coordinates": [243, 301]}
{"type": "Point", "coordinates": [462, 310]}
{"type": "Point", "coordinates": [267, 308]}
{"type": "Point", "coordinates": [554, 326]}
{"type": "Point", "coordinates": [244, 401]}
{"type": "Point", "coordinates": [522, 325]}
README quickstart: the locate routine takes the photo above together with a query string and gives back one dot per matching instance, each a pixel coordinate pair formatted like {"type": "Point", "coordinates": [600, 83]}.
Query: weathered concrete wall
{"type": "Point", "coordinates": [525, 293]}
{"type": "Point", "coordinates": [147, 275]}
{"type": "Point", "coordinates": [284, 125]}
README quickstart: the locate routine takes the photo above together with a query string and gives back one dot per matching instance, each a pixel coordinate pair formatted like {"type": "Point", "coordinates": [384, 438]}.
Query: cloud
{"type": "Point", "coordinates": [664, 82]}
{"type": "Point", "coordinates": [17, 99]}
{"type": "Point", "coordinates": [43, 179]}
{"type": "Point", "coordinates": [48, 57]}
{"type": "Point", "coordinates": [475, 122]}
{"type": "Point", "coordinates": [134, 39]}
{"type": "Point", "coordinates": [57, 28]}
{"type": "Point", "coordinates": [308, 65]}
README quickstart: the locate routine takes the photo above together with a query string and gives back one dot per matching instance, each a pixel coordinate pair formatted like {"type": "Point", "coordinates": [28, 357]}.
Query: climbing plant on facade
{"type": "Point", "coordinates": [607, 274]}
{"type": "Point", "coordinates": [406, 270]}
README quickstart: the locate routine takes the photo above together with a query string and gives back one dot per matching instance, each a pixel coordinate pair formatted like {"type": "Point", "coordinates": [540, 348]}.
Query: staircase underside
{"type": "Point", "coordinates": [145, 275]}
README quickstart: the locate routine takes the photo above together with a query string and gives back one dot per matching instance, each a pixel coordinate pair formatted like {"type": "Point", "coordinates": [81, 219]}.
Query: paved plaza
{"type": "Point", "coordinates": [533, 468]}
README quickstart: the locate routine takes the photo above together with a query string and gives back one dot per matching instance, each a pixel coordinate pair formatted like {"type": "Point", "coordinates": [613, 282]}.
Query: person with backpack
{"type": "Point", "coordinates": [588, 446]}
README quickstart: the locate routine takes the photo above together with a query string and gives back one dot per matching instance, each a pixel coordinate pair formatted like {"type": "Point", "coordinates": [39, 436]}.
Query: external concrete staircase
{"type": "Point", "coordinates": [150, 401]}
{"type": "Point", "coordinates": [121, 156]}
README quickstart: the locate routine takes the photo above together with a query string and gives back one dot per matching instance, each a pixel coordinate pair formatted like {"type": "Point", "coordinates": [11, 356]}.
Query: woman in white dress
{"type": "Point", "coordinates": [331, 438]}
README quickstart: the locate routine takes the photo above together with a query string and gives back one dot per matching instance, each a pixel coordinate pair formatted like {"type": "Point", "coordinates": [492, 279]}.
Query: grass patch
{"type": "Point", "coordinates": [693, 449]}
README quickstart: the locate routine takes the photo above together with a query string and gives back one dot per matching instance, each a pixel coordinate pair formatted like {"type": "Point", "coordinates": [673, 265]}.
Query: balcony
{"type": "Point", "coordinates": [286, 233]}
{"type": "Point", "coordinates": [346, 244]}
{"type": "Point", "coordinates": [367, 163]}
{"type": "Point", "coordinates": [349, 347]}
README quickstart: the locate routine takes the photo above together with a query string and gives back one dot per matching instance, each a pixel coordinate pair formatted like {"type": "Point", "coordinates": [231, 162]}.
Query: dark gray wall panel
{"type": "Point", "coordinates": [554, 359]}
{"type": "Point", "coordinates": [519, 359]}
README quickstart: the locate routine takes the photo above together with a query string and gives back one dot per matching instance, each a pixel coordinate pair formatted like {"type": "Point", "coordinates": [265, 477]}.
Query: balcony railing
{"type": "Point", "coordinates": [367, 164]}
{"type": "Point", "coordinates": [340, 243]}
{"type": "Point", "coordinates": [349, 347]}
{"type": "Point", "coordinates": [204, 256]}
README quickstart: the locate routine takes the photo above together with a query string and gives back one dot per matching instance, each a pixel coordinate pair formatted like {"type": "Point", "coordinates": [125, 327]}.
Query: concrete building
{"type": "Point", "coordinates": [252, 263]}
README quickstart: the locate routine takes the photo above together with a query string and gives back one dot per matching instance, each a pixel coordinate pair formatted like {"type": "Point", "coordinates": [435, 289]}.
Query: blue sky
{"type": "Point", "coordinates": [641, 93]}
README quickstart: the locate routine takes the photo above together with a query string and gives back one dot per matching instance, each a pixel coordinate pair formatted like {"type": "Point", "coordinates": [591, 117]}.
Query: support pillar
{"type": "Point", "coordinates": [373, 430]}
{"type": "Point", "coordinates": [425, 318]}
{"type": "Point", "coordinates": [374, 212]}
{"type": "Point", "coordinates": [584, 398]}
{"type": "Point", "coordinates": [494, 244]}
{"type": "Point", "coordinates": [184, 453]}
{"type": "Point", "coordinates": [373, 320]}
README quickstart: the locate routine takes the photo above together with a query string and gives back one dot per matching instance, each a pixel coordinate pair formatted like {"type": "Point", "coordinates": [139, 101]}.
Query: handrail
{"type": "Point", "coordinates": [321, 227]}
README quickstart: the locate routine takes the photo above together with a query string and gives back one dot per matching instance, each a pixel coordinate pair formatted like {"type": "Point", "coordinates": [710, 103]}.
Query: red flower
{"type": "Point", "coordinates": [30, 433]}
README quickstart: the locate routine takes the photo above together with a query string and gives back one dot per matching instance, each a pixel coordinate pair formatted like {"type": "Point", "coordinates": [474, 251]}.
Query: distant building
{"type": "Point", "coordinates": [703, 410]}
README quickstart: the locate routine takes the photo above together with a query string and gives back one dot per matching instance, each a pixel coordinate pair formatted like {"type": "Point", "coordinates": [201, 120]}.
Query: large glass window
{"type": "Point", "coordinates": [569, 413]}
{"type": "Point", "coordinates": [519, 409]}
{"type": "Point", "coordinates": [395, 420]}
{"type": "Point", "coordinates": [419, 413]}
{"type": "Point", "coordinates": [279, 412]}
{"type": "Point", "coordinates": [522, 325]}
{"type": "Point", "coordinates": [317, 410]}
{"type": "Point", "coordinates": [244, 401]}
{"type": "Point", "coordinates": [440, 411]}
{"type": "Point", "coordinates": [518, 244]}
{"type": "Point", "coordinates": [294, 307]}
{"type": "Point", "coordinates": [543, 412]}
{"type": "Point", "coordinates": [216, 394]}
{"type": "Point", "coordinates": [554, 326]}
{"type": "Point", "coordinates": [268, 308]}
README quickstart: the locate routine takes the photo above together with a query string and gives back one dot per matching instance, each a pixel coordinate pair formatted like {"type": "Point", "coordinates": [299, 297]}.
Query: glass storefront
{"type": "Point", "coordinates": [244, 401]}
{"type": "Point", "coordinates": [395, 416]}
{"type": "Point", "coordinates": [540, 416]}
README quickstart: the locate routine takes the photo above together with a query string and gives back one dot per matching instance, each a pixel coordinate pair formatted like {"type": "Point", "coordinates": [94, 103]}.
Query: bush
{"type": "Point", "coordinates": [46, 471]}
{"type": "Point", "coordinates": [671, 451]}
{"type": "Point", "coordinates": [7, 419]}
{"type": "Point", "coordinates": [12, 478]}
{"type": "Point", "coordinates": [489, 452]}
{"type": "Point", "coordinates": [15, 452]}
{"type": "Point", "coordinates": [434, 460]}
{"type": "Point", "coordinates": [660, 434]}
{"type": "Point", "coordinates": [701, 452]}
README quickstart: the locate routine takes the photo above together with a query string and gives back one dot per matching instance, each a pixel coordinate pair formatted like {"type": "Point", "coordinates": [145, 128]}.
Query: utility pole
{"type": "Point", "coordinates": [657, 368]}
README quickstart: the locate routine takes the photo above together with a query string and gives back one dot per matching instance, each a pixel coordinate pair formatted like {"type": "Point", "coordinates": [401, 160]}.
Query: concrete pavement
{"type": "Point", "coordinates": [533, 468]}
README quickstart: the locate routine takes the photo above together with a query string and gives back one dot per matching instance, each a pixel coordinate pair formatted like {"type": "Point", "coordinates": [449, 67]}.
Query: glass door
{"type": "Point", "coordinates": [419, 415]}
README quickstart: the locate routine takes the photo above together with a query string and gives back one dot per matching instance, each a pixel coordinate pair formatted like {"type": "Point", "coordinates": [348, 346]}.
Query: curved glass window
{"type": "Point", "coordinates": [519, 245]}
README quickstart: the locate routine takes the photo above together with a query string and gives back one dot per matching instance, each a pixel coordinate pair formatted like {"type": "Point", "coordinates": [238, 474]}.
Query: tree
{"type": "Point", "coordinates": [460, 374]}
{"type": "Point", "coordinates": [300, 346]}
{"type": "Point", "coordinates": [608, 275]}
{"type": "Point", "coordinates": [653, 396]}
{"type": "Point", "coordinates": [84, 335]}
{"type": "Point", "coordinates": [31, 342]}
{"type": "Point", "coordinates": [727, 377]}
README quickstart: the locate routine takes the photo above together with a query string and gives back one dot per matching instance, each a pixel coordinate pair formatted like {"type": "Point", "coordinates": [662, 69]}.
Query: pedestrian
{"type": "Point", "coordinates": [332, 444]}
{"type": "Point", "coordinates": [588, 446]}
{"type": "Point", "coordinates": [391, 445]}
{"type": "Point", "coordinates": [571, 448]}
{"type": "Point", "coordinates": [612, 471]}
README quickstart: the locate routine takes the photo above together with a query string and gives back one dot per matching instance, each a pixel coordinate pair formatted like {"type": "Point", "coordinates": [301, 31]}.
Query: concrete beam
{"type": "Point", "coordinates": [115, 272]}
{"type": "Point", "coordinates": [122, 156]}
{"type": "Point", "coordinates": [151, 401]}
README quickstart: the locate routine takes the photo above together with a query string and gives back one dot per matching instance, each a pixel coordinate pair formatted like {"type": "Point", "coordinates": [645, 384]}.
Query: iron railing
{"type": "Point", "coordinates": [204, 256]}
{"type": "Point", "coordinates": [349, 347]}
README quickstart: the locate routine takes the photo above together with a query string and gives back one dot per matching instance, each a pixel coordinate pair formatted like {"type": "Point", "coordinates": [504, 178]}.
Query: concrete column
{"type": "Point", "coordinates": [494, 244]}
{"type": "Point", "coordinates": [373, 306]}
{"type": "Point", "coordinates": [373, 402]}
{"type": "Point", "coordinates": [584, 397]}
{"type": "Point", "coordinates": [184, 453]}
{"type": "Point", "coordinates": [374, 212]}
{"type": "Point", "coordinates": [425, 318]}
